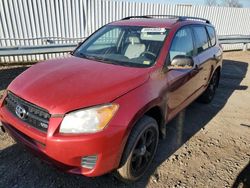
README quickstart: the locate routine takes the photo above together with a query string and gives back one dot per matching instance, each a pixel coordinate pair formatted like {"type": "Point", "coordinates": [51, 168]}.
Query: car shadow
{"type": "Point", "coordinates": [243, 179]}
{"type": "Point", "coordinates": [20, 169]}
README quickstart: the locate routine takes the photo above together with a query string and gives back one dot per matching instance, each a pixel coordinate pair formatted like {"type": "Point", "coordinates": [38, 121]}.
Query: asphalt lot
{"type": "Point", "coordinates": [206, 145]}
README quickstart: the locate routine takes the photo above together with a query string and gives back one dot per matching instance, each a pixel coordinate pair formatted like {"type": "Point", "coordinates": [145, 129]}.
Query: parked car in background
{"type": "Point", "coordinates": [104, 108]}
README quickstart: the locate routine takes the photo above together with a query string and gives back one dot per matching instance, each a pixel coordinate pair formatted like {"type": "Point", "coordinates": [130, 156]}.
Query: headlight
{"type": "Point", "coordinates": [88, 120]}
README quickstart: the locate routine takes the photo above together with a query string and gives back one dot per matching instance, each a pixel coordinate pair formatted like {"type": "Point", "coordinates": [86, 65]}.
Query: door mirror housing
{"type": "Point", "coordinates": [182, 61]}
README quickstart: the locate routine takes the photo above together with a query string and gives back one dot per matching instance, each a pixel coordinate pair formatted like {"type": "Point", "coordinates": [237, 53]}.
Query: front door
{"type": "Point", "coordinates": [183, 83]}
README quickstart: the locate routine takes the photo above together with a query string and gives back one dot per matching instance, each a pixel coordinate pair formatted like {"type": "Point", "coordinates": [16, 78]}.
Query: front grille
{"type": "Point", "coordinates": [13, 131]}
{"type": "Point", "coordinates": [27, 112]}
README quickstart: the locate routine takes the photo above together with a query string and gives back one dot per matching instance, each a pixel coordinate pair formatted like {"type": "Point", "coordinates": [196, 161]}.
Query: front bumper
{"type": "Point", "coordinates": [66, 151]}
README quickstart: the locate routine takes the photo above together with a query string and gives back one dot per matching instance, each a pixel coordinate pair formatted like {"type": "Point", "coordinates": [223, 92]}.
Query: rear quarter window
{"type": "Point", "coordinates": [201, 38]}
{"type": "Point", "coordinates": [212, 35]}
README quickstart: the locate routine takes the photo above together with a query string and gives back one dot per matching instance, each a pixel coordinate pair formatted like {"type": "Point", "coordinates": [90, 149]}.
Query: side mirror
{"type": "Point", "coordinates": [182, 61]}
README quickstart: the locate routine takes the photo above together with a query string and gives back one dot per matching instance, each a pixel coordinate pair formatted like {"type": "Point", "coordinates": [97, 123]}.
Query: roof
{"type": "Point", "coordinates": [166, 21]}
{"type": "Point", "coordinates": [152, 22]}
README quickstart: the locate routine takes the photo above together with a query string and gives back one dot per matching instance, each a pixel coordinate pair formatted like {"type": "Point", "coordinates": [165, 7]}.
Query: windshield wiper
{"type": "Point", "coordinates": [111, 61]}
{"type": "Point", "coordinates": [97, 58]}
{"type": "Point", "coordinates": [90, 57]}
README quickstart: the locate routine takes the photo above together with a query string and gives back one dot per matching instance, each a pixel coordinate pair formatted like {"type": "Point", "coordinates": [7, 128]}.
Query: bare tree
{"type": "Point", "coordinates": [211, 2]}
{"type": "Point", "coordinates": [231, 3]}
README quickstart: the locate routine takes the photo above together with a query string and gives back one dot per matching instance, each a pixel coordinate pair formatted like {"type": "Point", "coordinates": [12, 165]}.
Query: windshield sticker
{"type": "Point", "coordinates": [146, 62]}
{"type": "Point", "coordinates": [153, 30]}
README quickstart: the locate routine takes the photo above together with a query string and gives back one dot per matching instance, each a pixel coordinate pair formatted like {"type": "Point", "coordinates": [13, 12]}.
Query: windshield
{"type": "Point", "coordinates": [124, 45]}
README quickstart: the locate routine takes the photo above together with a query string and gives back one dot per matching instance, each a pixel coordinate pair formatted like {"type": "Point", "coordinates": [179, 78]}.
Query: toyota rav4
{"type": "Point", "coordinates": [104, 107]}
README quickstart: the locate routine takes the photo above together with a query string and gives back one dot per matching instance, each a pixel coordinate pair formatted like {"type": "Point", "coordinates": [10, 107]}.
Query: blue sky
{"type": "Point", "coordinates": [245, 3]}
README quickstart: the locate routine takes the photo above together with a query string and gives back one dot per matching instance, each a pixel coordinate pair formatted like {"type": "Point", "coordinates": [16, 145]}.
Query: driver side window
{"type": "Point", "coordinates": [182, 44]}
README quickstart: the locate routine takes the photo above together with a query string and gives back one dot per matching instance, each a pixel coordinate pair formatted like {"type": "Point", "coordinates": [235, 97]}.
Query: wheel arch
{"type": "Point", "coordinates": [218, 71]}
{"type": "Point", "coordinates": [157, 113]}
{"type": "Point", "coordinates": [152, 110]}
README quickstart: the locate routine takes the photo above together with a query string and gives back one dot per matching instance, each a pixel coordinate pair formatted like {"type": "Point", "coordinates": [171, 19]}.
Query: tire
{"type": "Point", "coordinates": [209, 93]}
{"type": "Point", "coordinates": [139, 151]}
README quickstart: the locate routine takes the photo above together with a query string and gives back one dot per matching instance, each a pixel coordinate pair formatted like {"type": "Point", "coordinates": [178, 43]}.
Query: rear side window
{"type": "Point", "coordinates": [201, 38]}
{"type": "Point", "coordinates": [182, 43]}
{"type": "Point", "coordinates": [212, 36]}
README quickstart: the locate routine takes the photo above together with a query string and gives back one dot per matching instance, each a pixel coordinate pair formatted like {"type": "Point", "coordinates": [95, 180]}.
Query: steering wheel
{"type": "Point", "coordinates": [148, 53]}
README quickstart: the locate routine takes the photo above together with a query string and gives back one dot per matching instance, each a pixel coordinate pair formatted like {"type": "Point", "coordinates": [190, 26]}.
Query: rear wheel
{"type": "Point", "coordinates": [140, 150]}
{"type": "Point", "coordinates": [209, 93]}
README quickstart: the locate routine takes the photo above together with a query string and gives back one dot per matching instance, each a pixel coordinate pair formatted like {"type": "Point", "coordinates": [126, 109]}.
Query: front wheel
{"type": "Point", "coordinates": [140, 150]}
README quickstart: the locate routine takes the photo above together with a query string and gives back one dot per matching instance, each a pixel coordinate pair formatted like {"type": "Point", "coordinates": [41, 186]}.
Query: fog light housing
{"type": "Point", "coordinates": [89, 162]}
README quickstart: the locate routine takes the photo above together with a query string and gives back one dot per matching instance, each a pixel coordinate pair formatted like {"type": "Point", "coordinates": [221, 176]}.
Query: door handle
{"type": "Point", "coordinates": [197, 68]}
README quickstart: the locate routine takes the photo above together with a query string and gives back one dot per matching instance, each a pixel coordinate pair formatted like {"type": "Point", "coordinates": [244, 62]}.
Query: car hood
{"type": "Point", "coordinates": [66, 84]}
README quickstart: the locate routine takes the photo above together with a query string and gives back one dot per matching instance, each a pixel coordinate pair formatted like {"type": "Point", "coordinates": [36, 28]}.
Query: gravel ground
{"type": "Point", "coordinates": [206, 145]}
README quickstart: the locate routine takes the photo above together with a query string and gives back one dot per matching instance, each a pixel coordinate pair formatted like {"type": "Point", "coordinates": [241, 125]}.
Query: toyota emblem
{"type": "Point", "coordinates": [21, 112]}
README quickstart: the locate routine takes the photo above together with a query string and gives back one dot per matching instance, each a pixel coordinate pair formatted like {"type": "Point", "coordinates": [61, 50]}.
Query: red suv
{"type": "Point", "coordinates": [105, 106]}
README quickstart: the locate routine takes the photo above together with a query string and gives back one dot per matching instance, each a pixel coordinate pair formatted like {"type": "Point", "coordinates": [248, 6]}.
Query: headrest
{"type": "Point", "coordinates": [134, 40]}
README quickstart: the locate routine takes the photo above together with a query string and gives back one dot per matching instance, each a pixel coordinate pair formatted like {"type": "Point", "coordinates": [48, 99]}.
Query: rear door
{"type": "Point", "coordinates": [217, 50]}
{"type": "Point", "coordinates": [205, 54]}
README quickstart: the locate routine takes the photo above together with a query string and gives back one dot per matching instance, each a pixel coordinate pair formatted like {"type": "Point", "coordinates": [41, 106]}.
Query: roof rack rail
{"type": "Point", "coordinates": [183, 18]}
{"type": "Point", "coordinates": [130, 17]}
{"type": "Point", "coordinates": [151, 16]}
{"type": "Point", "coordinates": [163, 15]}
{"type": "Point", "coordinates": [179, 18]}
